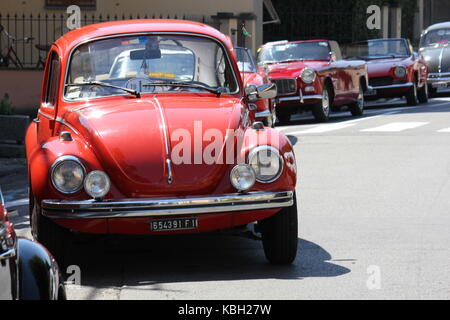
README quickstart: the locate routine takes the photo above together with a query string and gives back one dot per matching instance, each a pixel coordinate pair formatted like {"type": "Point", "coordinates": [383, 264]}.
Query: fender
{"type": "Point", "coordinates": [39, 276]}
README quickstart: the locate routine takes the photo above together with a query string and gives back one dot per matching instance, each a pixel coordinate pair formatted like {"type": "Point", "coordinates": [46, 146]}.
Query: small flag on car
{"type": "Point", "coordinates": [245, 32]}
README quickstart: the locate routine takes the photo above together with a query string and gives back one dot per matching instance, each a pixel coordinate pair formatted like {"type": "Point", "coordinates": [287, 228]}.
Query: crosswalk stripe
{"type": "Point", "coordinates": [444, 130]}
{"type": "Point", "coordinates": [324, 128]}
{"type": "Point", "coordinates": [396, 127]}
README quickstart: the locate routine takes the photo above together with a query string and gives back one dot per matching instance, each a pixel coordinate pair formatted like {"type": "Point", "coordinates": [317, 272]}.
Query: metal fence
{"type": "Point", "coordinates": [31, 35]}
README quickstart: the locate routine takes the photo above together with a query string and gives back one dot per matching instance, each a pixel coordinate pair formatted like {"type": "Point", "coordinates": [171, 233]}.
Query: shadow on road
{"type": "Point", "coordinates": [138, 261]}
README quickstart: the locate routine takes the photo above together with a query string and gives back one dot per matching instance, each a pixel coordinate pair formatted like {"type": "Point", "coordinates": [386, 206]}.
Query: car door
{"type": "Point", "coordinates": [341, 77]}
{"type": "Point", "coordinates": [49, 97]}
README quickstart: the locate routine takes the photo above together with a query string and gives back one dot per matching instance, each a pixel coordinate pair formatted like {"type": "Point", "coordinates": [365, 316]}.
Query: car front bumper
{"type": "Point", "coordinates": [138, 208]}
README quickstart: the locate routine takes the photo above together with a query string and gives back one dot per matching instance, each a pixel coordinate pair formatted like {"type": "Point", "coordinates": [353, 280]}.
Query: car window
{"type": "Point", "coordinates": [135, 62]}
{"type": "Point", "coordinates": [435, 38]}
{"type": "Point", "coordinates": [316, 50]}
{"type": "Point", "coordinates": [379, 49]}
{"type": "Point", "coordinates": [245, 60]}
{"type": "Point", "coordinates": [52, 80]}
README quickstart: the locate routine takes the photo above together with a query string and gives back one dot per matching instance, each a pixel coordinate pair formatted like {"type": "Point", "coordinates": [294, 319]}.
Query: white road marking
{"type": "Point", "coordinates": [324, 128]}
{"type": "Point", "coordinates": [444, 130]}
{"type": "Point", "coordinates": [396, 127]}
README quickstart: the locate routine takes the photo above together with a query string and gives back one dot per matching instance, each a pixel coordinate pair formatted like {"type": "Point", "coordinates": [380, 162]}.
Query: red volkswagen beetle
{"type": "Point", "coordinates": [145, 128]}
{"type": "Point", "coordinates": [395, 70]}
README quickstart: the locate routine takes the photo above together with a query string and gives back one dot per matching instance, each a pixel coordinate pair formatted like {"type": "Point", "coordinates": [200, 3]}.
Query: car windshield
{"type": "Point", "coordinates": [435, 38]}
{"type": "Point", "coordinates": [245, 60]}
{"type": "Point", "coordinates": [318, 50]}
{"type": "Point", "coordinates": [136, 62]}
{"type": "Point", "coordinates": [378, 49]}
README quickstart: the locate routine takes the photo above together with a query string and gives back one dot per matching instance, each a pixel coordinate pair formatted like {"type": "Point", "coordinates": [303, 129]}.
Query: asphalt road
{"type": "Point", "coordinates": [374, 223]}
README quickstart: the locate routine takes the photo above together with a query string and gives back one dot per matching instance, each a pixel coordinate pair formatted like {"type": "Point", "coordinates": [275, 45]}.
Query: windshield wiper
{"type": "Point", "coordinates": [185, 84]}
{"type": "Point", "coordinates": [103, 84]}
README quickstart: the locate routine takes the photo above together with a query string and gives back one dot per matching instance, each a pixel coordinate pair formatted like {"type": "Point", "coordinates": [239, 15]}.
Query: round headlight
{"type": "Point", "coordinates": [267, 163]}
{"type": "Point", "coordinates": [242, 177]}
{"type": "Point", "coordinates": [400, 72]}
{"type": "Point", "coordinates": [97, 184]}
{"type": "Point", "coordinates": [308, 75]}
{"type": "Point", "coordinates": [67, 174]}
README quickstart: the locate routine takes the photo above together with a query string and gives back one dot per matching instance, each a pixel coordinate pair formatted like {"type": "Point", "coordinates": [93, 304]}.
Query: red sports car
{"type": "Point", "coordinates": [251, 74]}
{"type": "Point", "coordinates": [312, 76]}
{"type": "Point", "coordinates": [145, 127]}
{"type": "Point", "coordinates": [395, 70]}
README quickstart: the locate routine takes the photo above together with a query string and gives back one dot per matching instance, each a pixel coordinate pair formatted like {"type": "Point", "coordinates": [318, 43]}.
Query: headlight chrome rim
{"type": "Point", "coordinates": [308, 80]}
{"type": "Point", "coordinates": [233, 172]}
{"type": "Point", "coordinates": [56, 165]}
{"type": "Point", "coordinates": [107, 186]}
{"type": "Point", "coordinates": [403, 72]}
{"type": "Point", "coordinates": [255, 151]}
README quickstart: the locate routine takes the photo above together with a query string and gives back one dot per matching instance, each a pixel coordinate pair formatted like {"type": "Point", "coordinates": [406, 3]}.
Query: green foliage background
{"type": "Point", "coordinates": [341, 20]}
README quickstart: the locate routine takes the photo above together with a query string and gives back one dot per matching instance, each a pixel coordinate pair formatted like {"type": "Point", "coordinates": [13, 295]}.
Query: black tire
{"type": "Point", "coordinates": [49, 234]}
{"type": "Point", "coordinates": [357, 108]}
{"type": "Point", "coordinates": [321, 110]}
{"type": "Point", "coordinates": [422, 94]}
{"type": "Point", "coordinates": [284, 118]}
{"type": "Point", "coordinates": [412, 96]}
{"type": "Point", "coordinates": [280, 235]}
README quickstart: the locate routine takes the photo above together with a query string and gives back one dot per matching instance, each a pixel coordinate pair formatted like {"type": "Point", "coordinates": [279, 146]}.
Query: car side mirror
{"type": "Point", "coordinates": [266, 91]}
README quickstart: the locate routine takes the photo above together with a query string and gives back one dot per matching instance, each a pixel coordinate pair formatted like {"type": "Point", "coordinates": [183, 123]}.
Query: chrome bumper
{"type": "Point", "coordinates": [437, 79]}
{"type": "Point", "coordinates": [301, 98]}
{"type": "Point", "coordinates": [393, 86]}
{"type": "Point", "coordinates": [138, 208]}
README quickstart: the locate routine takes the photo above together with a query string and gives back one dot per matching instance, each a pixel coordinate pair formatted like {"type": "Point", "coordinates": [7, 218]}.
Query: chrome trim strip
{"type": "Point", "coordinates": [134, 208]}
{"type": "Point", "coordinates": [433, 80]}
{"type": "Point", "coordinates": [393, 86]}
{"type": "Point", "coordinates": [438, 75]}
{"type": "Point", "coordinates": [58, 119]}
{"type": "Point", "coordinates": [166, 140]}
{"type": "Point", "coordinates": [440, 59]}
{"type": "Point", "coordinates": [300, 98]}
{"type": "Point", "coordinates": [263, 114]}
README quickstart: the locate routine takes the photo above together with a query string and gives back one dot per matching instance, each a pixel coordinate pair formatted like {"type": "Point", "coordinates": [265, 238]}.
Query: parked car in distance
{"type": "Point", "coordinates": [157, 149]}
{"type": "Point", "coordinates": [251, 74]}
{"type": "Point", "coordinates": [27, 269]}
{"type": "Point", "coordinates": [395, 70]}
{"type": "Point", "coordinates": [312, 76]}
{"type": "Point", "coordinates": [435, 48]}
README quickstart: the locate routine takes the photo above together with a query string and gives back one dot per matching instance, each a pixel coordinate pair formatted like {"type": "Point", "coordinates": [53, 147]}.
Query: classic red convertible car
{"type": "Point", "coordinates": [312, 76]}
{"type": "Point", "coordinates": [145, 128]}
{"type": "Point", "coordinates": [251, 74]}
{"type": "Point", "coordinates": [395, 70]}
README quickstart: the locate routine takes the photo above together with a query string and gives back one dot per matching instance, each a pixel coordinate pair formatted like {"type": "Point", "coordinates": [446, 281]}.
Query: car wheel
{"type": "Point", "coordinates": [49, 234]}
{"type": "Point", "coordinates": [321, 110]}
{"type": "Point", "coordinates": [411, 96]}
{"type": "Point", "coordinates": [280, 235]}
{"type": "Point", "coordinates": [357, 108]}
{"type": "Point", "coordinates": [423, 94]}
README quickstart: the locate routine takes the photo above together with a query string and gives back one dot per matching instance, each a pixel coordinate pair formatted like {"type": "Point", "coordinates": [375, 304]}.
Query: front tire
{"type": "Point", "coordinates": [49, 234]}
{"type": "Point", "coordinates": [423, 94]}
{"type": "Point", "coordinates": [321, 110]}
{"type": "Point", "coordinates": [357, 107]}
{"type": "Point", "coordinates": [411, 97]}
{"type": "Point", "coordinates": [280, 235]}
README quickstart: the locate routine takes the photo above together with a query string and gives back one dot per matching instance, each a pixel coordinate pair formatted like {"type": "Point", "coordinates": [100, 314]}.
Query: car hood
{"type": "Point", "coordinates": [438, 58]}
{"type": "Point", "coordinates": [382, 67]}
{"type": "Point", "coordinates": [129, 139]}
{"type": "Point", "coordinates": [293, 69]}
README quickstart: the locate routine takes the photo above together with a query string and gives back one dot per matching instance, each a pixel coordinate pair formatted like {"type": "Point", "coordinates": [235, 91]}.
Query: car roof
{"type": "Point", "coordinates": [437, 26]}
{"type": "Point", "coordinates": [122, 27]}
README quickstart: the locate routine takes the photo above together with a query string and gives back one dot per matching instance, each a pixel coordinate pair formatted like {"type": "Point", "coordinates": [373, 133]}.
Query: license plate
{"type": "Point", "coordinates": [173, 224]}
{"type": "Point", "coordinates": [440, 85]}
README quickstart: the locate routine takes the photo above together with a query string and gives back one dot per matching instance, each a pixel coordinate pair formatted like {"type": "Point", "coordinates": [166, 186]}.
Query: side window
{"type": "Point", "coordinates": [335, 47]}
{"type": "Point", "coordinates": [52, 80]}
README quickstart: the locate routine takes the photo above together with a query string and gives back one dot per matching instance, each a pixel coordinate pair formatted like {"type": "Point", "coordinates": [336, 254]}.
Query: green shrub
{"type": "Point", "coordinates": [5, 106]}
